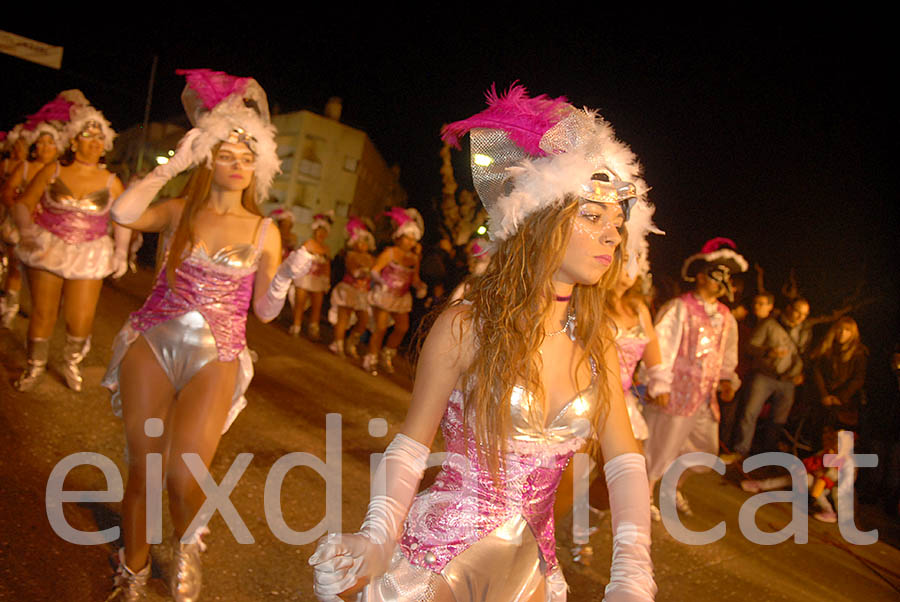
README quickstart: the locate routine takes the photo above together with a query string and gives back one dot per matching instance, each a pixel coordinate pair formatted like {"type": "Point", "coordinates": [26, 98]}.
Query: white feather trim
{"type": "Point", "coordinates": [714, 257]}
{"type": "Point", "coordinates": [80, 115]}
{"type": "Point", "coordinates": [217, 126]}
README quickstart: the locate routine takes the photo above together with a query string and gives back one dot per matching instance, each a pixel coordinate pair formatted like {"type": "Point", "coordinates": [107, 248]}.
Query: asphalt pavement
{"type": "Point", "coordinates": [297, 384]}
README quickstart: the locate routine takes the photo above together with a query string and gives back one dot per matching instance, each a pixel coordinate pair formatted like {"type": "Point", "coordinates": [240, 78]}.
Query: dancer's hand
{"type": "Point", "coordinates": [297, 264]}
{"type": "Point", "coordinates": [184, 157]}
{"type": "Point", "coordinates": [340, 560]}
{"type": "Point", "coordinates": [120, 263]}
{"type": "Point", "coordinates": [662, 400]}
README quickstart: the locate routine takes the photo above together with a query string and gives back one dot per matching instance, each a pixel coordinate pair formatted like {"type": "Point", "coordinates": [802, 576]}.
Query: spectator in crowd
{"type": "Point", "coordinates": [838, 374]}
{"type": "Point", "coordinates": [777, 347]}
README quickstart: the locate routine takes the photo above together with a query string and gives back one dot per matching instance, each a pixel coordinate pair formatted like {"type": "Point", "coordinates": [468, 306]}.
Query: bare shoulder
{"type": "Point", "coordinates": [452, 335]}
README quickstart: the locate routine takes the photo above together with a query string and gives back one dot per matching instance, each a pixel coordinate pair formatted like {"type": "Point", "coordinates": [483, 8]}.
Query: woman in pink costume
{"type": "Point", "coordinates": [395, 271]}
{"type": "Point", "coordinates": [42, 132]}
{"type": "Point", "coordinates": [350, 295]}
{"type": "Point", "coordinates": [180, 365]}
{"type": "Point", "coordinates": [316, 283]}
{"type": "Point", "coordinates": [65, 241]}
{"type": "Point", "coordinates": [552, 179]}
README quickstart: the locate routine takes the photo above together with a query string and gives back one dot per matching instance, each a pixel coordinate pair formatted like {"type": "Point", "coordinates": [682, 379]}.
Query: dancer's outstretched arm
{"type": "Point", "coordinates": [341, 560]}
{"type": "Point", "coordinates": [631, 574]}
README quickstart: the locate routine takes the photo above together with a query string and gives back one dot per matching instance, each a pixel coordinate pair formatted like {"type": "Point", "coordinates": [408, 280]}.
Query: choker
{"type": "Point", "coordinates": [562, 298]}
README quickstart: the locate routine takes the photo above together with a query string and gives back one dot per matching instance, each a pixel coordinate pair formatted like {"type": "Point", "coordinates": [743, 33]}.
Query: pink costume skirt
{"type": "Point", "coordinates": [91, 260]}
{"type": "Point", "coordinates": [384, 298]}
{"type": "Point", "coordinates": [346, 295]}
{"type": "Point", "coordinates": [183, 346]}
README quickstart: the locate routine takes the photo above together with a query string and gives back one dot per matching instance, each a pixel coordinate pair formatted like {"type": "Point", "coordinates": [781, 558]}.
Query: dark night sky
{"type": "Point", "coordinates": [773, 130]}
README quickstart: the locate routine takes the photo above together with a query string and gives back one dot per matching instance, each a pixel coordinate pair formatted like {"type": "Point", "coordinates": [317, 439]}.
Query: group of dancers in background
{"type": "Point", "coordinates": [561, 279]}
{"type": "Point", "coordinates": [374, 294]}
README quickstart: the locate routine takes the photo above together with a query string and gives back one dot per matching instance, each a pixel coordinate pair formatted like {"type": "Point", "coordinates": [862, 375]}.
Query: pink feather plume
{"type": "Point", "coordinates": [213, 86]}
{"type": "Point", "coordinates": [524, 119]}
{"type": "Point", "coordinates": [397, 214]}
{"type": "Point", "coordinates": [55, 110]}
{"type": "Point", "coordinates": [714, 244]}
{"type": "Point", "coordinates": [354, 224]}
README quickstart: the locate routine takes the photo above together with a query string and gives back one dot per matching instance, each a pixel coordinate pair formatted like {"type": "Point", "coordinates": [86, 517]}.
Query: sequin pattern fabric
{"type": "Point", "coordinates": [465, 504]}
{"type": "Point", "coordinates": [695, 373]}
{"type": "Point", "coordinates": [218, 287]}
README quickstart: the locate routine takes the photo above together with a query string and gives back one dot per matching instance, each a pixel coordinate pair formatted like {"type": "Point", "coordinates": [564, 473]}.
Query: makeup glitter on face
{"type": "Point", "coordinates": [592, 245]}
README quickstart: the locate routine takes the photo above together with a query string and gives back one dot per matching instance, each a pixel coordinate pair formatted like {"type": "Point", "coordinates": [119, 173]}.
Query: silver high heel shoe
{"type": "Point", "coordinates": [186, 576]}
{"type": "Point", "coordinates": [74, 353]}
{"type": "Point", "coordinates": [350, 346]}
{"type": "Point", "coordinates": [128, 585]}
{"type": "Point", "coordinates": [387, 359]}
{"type": "Point", "coordinates": [38, 350]}
{"type": "Point", "coordinates": [370, 364]}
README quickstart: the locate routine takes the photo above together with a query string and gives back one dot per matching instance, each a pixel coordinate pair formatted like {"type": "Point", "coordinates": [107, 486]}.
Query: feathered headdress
{"type": "Point", "coordinates": [82, 115]}
{"type": "Point", "coordinates": [529, 153]}
{"type": "Point", "coordinates": [719, 258]}
{"type": "Point", "coordinates": [321, 220]}
{"type": "Point", "coordinates": [358, 230]}
{"type": "Point", "coordinates": [231, 109]}
{"type": "Point", "coordinates": [407, 222]}
{"type": "Point", "coordinates": [50, 120]}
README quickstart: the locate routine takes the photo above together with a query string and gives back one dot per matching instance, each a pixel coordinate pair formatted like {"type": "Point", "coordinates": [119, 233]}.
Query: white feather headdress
{"type": "Point", "coordinates": [81, 115]}
{"type": "Point", "coordinates": [226, 108]}
{"type": "Point", "coordinates": [530, 153]}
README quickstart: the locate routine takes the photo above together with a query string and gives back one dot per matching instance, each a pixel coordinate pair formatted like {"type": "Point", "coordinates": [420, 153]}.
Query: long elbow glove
{"type": "Point", "coordinates": [341, 559]}
{"type": "Point", "coordinates": [659, 380]}
{"type": "Point", "coordinates": [132, 203]}
{"type": "Point", "coordinates": [631, 575]}
{"type": "Point", "coordinates": [296, 265]}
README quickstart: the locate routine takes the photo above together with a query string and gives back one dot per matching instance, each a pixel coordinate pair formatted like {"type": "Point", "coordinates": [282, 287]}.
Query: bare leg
{"type": "Point", "coordinates": [315, 311]}
{"type": "Point", "coordinates": [195, 426]}
{"type": "Point", "coordinates": [146, 393]}
{"type": "Point", "coordinates": [401, 326]}
{"type": "Point", "coordinates": [340, 329]}
{"type": "Point", "coordinates": [80, 305]}
{"type": "Point", "coordinates": [46, 290]}
{"type": "Point", "coordinates": [362, 322]}
{"type": "Point", "coordinates": [299, 307]}
{"type": "Point", "coordinates": [381, 326]}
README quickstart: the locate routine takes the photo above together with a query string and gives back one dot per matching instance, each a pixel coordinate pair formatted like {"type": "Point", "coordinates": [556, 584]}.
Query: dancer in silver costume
{"type": "Point", "coordinates": [43, 134]}
{"type": "Point", "coordinates": [65, 242]}
{"type": "Point", "coordinates": [180, 365]}
{"type": "Point", "coordinates": [519, 375]}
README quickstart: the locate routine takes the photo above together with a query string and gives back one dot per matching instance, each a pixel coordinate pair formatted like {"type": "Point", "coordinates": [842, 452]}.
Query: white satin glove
{"type": "Point", "coordinates": [557, 588]}
{"type": "Point", "coordinates": [131, 204]}
{"type": "Point", "coordinates": [340, 560]}
{"type": "Point", "coordinates": [296, 265]}
{"type": "Point", "coordinates": [120, 263]}
{"type": "Point", "coordinates": [659, 380]}
{"type": "Point", "coordinates": [631, 574]}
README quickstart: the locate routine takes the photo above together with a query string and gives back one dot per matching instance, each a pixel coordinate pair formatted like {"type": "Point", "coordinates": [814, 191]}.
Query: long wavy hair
{"type": "Point", "coordinates": [196, 195]}
{"type": "Point", "coordinates": [831, 348]}
{"type": "Point", "coordinates": [509, 302]}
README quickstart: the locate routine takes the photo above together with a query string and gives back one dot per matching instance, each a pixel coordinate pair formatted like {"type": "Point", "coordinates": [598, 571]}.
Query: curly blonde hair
{"type": "Point", "coordinates": [508, 305]}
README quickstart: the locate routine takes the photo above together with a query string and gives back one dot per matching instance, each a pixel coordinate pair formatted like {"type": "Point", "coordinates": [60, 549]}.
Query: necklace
{"type": "Point", "coordinates": [570, 320]}
{"type": "Point", "coordinates": [562, 298]}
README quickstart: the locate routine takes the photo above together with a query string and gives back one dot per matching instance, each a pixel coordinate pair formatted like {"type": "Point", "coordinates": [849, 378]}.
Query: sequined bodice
{"type": "Point", "coordinates": [58, 195]}
{"type": "Point", "coordinates": [630, 344]}
{"type": "Point", "coordinates": [465, 503]}
{"type": "Point", "coordinates": [218, 286]}
{"type": "Point", "coordinates": [397, 277]}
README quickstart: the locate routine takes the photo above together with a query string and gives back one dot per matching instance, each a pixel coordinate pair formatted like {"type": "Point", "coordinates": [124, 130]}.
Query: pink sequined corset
{"type": "Point", "coordinates": [397, 278]}
{"type": "Point", "coordinates": [695, 373]}
{"type": "Point", "coordinates": [464, 504]}
{"type": "Point", "coordinates": [218, 287]}
{"type": "Point", "coordinates": [71, 218]}
{"type": "Point", "coordinates": [630, 345]}
{"type": "Point", "coordinates": [320, 266]}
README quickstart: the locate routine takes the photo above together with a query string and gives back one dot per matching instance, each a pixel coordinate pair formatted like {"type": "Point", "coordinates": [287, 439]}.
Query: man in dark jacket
{"type": "Point", "coordinates": [777, 346]}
